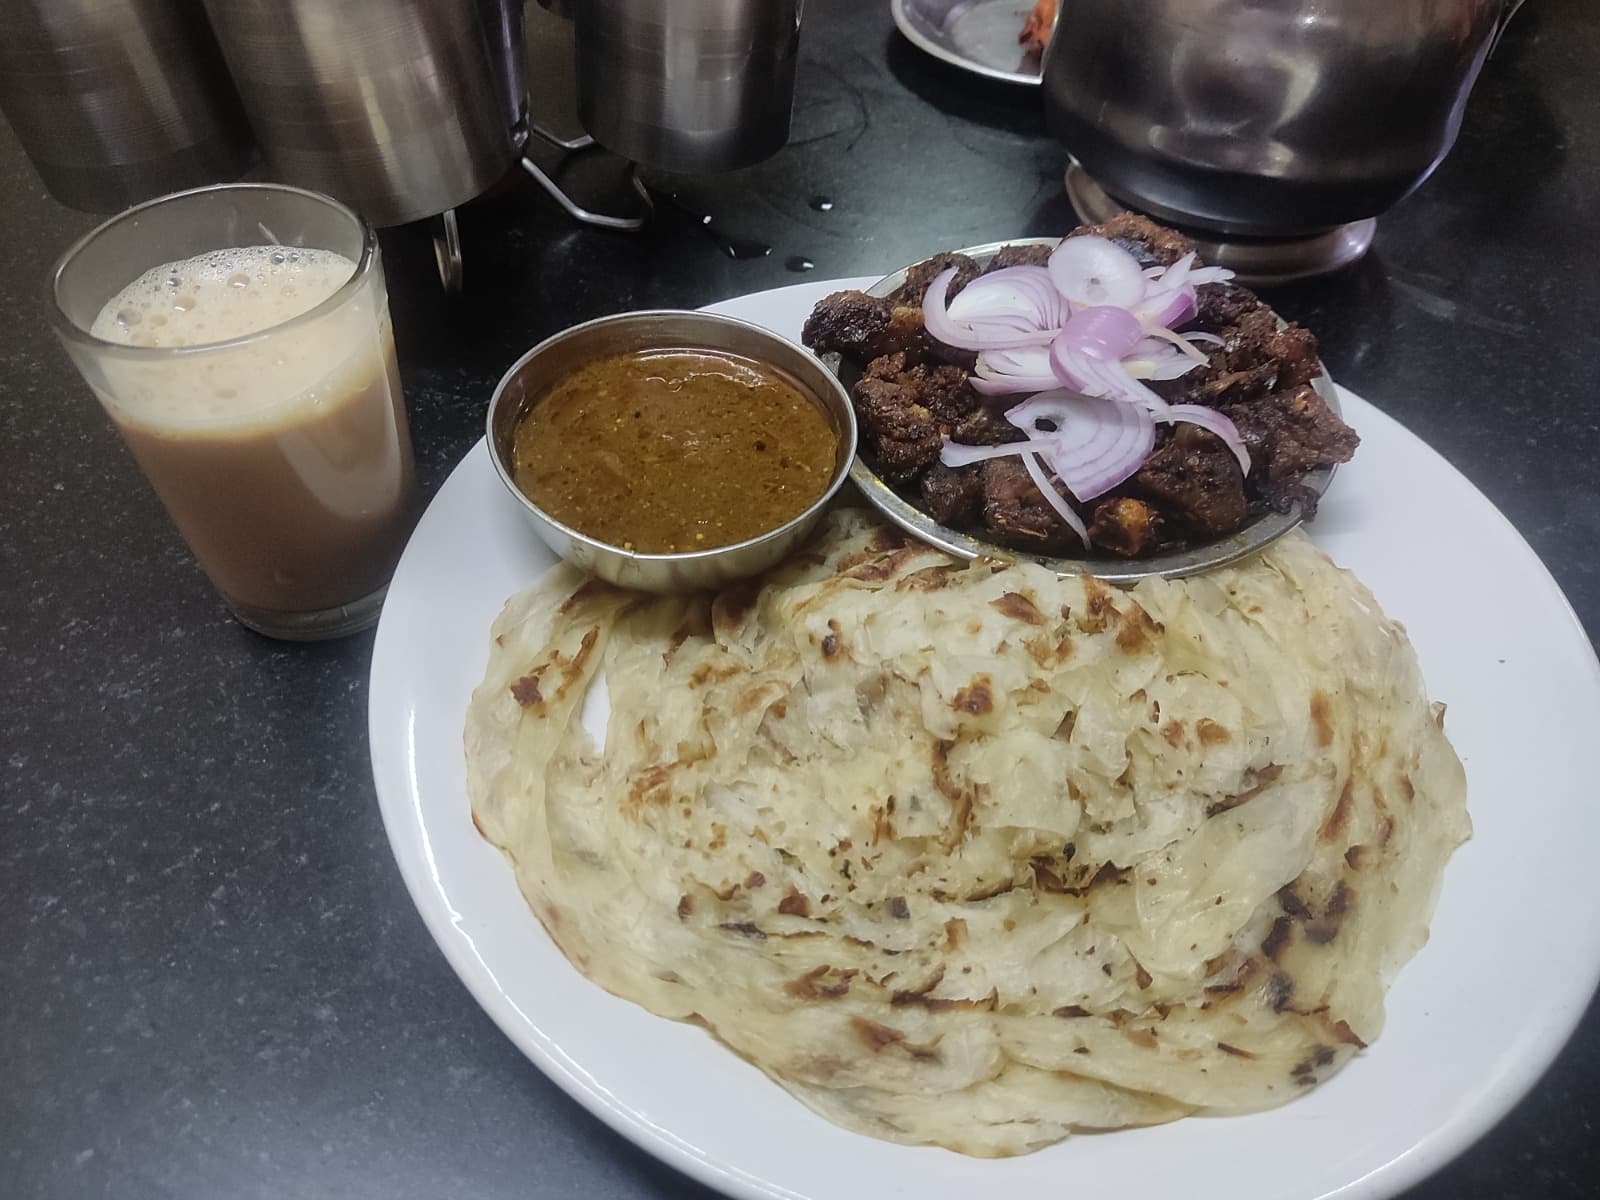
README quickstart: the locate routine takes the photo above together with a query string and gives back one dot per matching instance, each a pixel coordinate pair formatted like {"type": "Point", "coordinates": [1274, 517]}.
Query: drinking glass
{"type": "Point", "coordinates": [283, 454]}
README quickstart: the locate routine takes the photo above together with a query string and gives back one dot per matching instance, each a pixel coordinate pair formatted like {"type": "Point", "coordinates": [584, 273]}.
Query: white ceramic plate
{"type": "Point", "coordinates": [1473, 1020]}
{"type": "Point", "coordinates": [979, 36]}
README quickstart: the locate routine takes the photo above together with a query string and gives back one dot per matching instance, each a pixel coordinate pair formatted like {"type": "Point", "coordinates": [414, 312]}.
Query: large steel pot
{"type": "Point", "coordinates": [1265, 118]}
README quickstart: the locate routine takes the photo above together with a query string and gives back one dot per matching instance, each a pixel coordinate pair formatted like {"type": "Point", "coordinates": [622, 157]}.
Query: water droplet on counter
{"type": "Point", "coordinates": [740, 248]}
{"type": "Point", "coordinates": [733, 247]}
{"type": "Point", "coordinates": [822, 203]}
{"type": "Point", "coordinates": [799, 262]}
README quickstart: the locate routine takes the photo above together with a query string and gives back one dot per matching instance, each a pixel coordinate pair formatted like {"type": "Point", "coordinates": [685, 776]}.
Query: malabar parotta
{"type": "Point", "coordinates": [970, 854]}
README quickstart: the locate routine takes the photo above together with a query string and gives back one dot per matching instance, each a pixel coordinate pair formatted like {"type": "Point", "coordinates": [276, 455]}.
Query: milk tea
{"type": "Point", "coordinates": [284, 457]}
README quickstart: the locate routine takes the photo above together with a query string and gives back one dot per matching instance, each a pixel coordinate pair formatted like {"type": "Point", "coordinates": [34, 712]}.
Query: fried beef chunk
{"type": "Point", "coordinates": [1295, 351]}
{"type": "Point", "coordinates": [862, 327]}
{"type": "Point", "coordinates": [944, 390]}
{"type": "Point", "coordinates": [1254, 357]}
{"type": "Point", "coordinates": [899, 432]}
{"type": "Point", "coordinates": [1290, 431]}
{"type": "Point", "coordinates": [953, 495]}
{"type": "Point", "coordinates": [1196, 483]}
{"type": "Point", "coordinates": [1125, 526]}
{"type": "Point", "coordinates": [1018, 256]}
{"type": "Point", "coordinates": [1221, 305]}
{"type": "Point", "coordinates": [1015, 514]}
{"type": "Point", "coordinates": [910, 292]}
{"type": "Point", "coordinates": [906, 411]}
{"type": "Point", "coordinates": [1250, 336]}
{"type": "Point", "coordinates": [985, 426]}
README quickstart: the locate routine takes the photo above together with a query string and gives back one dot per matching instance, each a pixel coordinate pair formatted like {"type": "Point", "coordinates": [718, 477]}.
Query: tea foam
{"type": "Point", "coordinates": [221, 295]}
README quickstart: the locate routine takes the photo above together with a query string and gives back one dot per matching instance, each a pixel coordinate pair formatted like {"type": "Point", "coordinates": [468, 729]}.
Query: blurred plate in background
{"type": "Point", "coordinates": [976, 35]}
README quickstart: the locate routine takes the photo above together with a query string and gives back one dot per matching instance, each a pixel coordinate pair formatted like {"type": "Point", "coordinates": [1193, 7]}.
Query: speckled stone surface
{"type": "Point", "coordinates": [212, 982]}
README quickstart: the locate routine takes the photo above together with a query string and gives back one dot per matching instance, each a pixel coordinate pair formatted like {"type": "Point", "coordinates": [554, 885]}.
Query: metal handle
{"type": "Point", "coordinates": [578, 213]}
{"type": "Point", "coordinates": [1509, 10]}
{"type": "Point", "coordinates": [447, 253]}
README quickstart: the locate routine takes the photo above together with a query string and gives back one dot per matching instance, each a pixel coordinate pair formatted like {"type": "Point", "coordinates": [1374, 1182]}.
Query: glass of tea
{"type": "Point", "coordinates": [239, 338]}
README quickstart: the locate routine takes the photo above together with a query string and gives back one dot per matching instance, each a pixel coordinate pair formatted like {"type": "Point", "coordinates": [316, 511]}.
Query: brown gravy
{"type": "Point", "coordinates": [669, 451]}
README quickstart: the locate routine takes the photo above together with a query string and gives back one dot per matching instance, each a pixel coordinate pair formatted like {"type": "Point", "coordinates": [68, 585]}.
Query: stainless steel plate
{"type": "Point", "coordinates": [1253, 537]}
{"type": "Point", "coordinates": [976, 35]}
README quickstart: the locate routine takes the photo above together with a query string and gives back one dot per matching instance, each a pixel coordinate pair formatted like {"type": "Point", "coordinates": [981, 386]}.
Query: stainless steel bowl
{"type": "Point", "coordinates": [530, 379]}
{"type": "Point", "coordinates": [400, 108]}
{"type": "Point", "coordinates": [119, 101]}
{"type": "Point", "coordinates": [688, 85]}
{"type": "Point", "coordinates": [1253, 537]}
{"type": "Point", "coordinates": [1266, 118]}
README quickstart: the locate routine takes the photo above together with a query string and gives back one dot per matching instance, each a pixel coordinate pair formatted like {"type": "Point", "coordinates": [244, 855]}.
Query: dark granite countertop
{"type": "Point", "coordinates": [212, 982]}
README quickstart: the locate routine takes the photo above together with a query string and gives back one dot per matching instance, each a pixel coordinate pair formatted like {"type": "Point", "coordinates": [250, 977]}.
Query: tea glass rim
{"type": "Point", "coordinates": [70, 330]}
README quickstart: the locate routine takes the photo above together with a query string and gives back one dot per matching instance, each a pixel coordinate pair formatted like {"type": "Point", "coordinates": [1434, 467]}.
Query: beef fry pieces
{"type": "Point", "coordinates": [914, 392]}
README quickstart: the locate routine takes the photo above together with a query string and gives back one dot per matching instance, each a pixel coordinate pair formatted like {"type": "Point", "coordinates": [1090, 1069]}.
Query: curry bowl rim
{"type": "Point", "coordinates": [823, 385]}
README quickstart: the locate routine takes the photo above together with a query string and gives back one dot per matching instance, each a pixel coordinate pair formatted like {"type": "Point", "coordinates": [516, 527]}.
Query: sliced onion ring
{"type": "Point", "coordinates": [1217, 423]}
{"type": "Point", "coordinates": [1101, 331]}
{"type": "Point", "coordinates": [1025, 292]}
{"type": "Point", "coordinates": [1010, 372]}
{"type": "Point", "coordinates": [1097, 442]}
{"type": "Point", "coordinates": [1167, 309]}
{"type": "Point", "coordinates": [1102, 377]}
{"type": "Point", "coordinates": [1154, 358]}
{"type": "Point", "coordinates": [1055, 499]}
{"type": "Point", "coordinates": [958, 454]}
{"type": "Point", "coordinates": [998, 318]}
{"type": "Point", "coordinates": [1177, 339]}
{"type": "Point", "coordinates": [1093, 271]}
{"type": "Point", "coordinates": [1091, 320]}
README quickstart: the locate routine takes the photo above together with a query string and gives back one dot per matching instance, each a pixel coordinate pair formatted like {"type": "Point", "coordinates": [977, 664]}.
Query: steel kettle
{"type": "Point", "coordinates": [1264, 118]}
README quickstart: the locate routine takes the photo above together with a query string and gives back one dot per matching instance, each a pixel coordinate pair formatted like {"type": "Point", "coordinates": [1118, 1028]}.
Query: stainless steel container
{"type": "Point", "coordinates": [688, 85]}
{"type": "Point", "coordinates": [1265, 118]}
{"type": "Point", "coordinates": [118, 101]}
{"type": "Point", "coordinates": [532, 375]}
{"type": "Point", "coordinates": [401, 108]}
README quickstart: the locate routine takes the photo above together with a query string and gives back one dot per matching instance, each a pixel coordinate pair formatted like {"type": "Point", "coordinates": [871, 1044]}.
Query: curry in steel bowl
{"type": "Point", "coordinates": [669, 451]}
{"type": "Point", "coordinates": [674, 449]}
